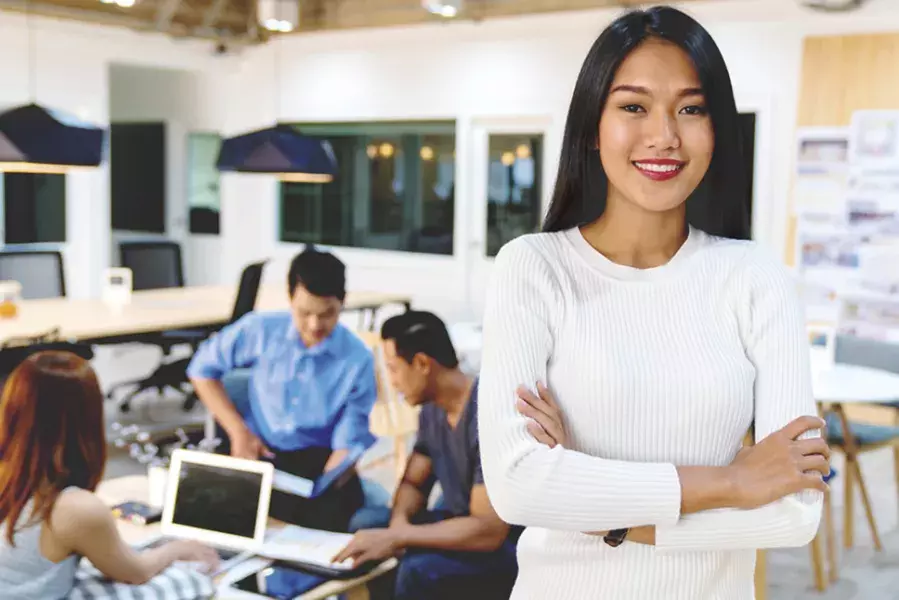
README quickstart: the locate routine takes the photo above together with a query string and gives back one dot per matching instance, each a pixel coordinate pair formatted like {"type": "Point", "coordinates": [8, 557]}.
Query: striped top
{"type": "Point", "coordinates": [24, 572]}
{"type": "Point", "coordinates": [652, 368]}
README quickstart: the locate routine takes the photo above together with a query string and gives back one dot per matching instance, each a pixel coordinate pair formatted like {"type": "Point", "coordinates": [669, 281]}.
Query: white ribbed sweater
{"type": "Point", "coordinates": [652, 368]}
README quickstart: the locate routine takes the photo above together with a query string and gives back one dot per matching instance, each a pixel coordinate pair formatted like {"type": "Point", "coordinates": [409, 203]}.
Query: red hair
{"type": "Point", "coordinates": [52, 434]}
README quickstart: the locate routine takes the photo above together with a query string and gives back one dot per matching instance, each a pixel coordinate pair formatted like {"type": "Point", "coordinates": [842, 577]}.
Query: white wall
{"type": "Point", "coordinates": [179, 99]}
{"type": "Point", "coordinates": [505, 69]}
{"type": "Point", "coordinates": [72, 75]}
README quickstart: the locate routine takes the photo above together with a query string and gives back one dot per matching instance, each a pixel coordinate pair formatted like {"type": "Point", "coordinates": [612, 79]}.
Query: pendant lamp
{"type": "Point", "coordinates": [279, 150]}
{"type": "Point", "coordinates": [35, 139]}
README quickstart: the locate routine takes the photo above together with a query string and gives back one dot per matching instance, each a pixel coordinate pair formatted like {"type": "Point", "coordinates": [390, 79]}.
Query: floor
{"type": "Point", "coordinates": [864, 573]}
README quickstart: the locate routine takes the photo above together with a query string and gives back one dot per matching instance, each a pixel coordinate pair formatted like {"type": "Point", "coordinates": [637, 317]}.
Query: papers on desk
{"type": "Point", "coordinates": [292, 484]}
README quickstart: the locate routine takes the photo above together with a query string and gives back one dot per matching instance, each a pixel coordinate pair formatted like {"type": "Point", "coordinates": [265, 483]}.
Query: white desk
{"type": "Point", "coordinates": [136, 488]}
{"type": "Point", "coordinates": [850, 384]}
{"type": "Point", "coordinates": [154, 311]}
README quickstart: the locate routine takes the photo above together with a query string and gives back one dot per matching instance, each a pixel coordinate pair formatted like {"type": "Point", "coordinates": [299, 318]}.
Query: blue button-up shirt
{"type": "Point", "coordinates": [299, 397]}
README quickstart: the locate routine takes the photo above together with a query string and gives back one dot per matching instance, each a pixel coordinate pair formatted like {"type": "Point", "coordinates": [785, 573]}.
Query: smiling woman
{"type": "Point", "coordinates": [660, 336]}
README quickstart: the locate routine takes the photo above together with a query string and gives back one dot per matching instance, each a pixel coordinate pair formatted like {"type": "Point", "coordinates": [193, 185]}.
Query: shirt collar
{"type": "Point", "coordinates": [333, 344]}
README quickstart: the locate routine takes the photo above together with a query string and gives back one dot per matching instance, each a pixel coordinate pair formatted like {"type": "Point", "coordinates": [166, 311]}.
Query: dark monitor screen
{"type": "Point", "coordinates": [218, 499]}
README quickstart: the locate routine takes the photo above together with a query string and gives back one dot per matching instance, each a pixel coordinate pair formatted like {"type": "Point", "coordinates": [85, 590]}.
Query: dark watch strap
{"type": "Point", "coordinates": [615, 537]}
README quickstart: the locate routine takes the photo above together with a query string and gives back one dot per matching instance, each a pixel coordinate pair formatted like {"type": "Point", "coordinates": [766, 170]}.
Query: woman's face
{"type": "Point", "coordinates": [655, 135]}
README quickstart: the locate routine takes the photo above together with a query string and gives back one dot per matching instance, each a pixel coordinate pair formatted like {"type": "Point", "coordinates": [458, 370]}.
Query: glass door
{"type": "Point", "coordinates": [510, 193]}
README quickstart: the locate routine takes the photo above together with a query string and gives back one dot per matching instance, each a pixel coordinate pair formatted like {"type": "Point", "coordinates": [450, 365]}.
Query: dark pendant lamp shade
{"type": "Point", "coordinates": [34, 139]}
{"type": "Point", "coordinates": [281, 151]}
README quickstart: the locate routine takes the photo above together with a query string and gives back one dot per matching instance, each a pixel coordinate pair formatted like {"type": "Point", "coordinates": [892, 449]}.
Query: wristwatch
{"type": "Point", "coordinates": [615, 537]}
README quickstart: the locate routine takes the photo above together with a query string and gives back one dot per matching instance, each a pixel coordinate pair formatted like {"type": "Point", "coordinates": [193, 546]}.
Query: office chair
{"type": "Point", "coordinates": [154, 265]}
{"type": "Point", "coordinates": [173, 375]}
{"type": "Point", "coordinates": [40, 272]}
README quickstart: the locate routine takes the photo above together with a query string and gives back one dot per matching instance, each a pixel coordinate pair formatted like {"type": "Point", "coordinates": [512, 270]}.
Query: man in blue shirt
{"type": "Point", "coordinates": [307, 389]}
{"type": "Point", "coordinates": [462, 549]}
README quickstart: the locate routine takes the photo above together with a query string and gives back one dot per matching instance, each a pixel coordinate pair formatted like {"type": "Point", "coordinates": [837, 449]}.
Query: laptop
{"type": "Point", "coordinates": [224, 502]}
{"type": "Point", "coordinates": [218, 500]}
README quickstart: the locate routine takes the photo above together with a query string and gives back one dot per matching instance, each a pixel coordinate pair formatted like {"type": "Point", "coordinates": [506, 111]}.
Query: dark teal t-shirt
{"type": "Point", "coordinates": [454, 452]}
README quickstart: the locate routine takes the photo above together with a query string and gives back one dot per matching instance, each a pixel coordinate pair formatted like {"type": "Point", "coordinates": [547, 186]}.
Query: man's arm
{"type": "Point", "coordinates": [236, 346]}
{"type": "Point", "coordinates": [353, 431]}
{"type": "Point", "coordinates": [413, 491]}
{"type": "Point", "coordinates": [481, 531]}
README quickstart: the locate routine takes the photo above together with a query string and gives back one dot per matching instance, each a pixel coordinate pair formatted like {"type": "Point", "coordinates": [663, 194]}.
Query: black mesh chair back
{"type": "Point", "coordinates": [154, 265]}
{"type": "Point", "coordinates": [247, 290]}
{"type": "Point", "coordinates": [39, 272]}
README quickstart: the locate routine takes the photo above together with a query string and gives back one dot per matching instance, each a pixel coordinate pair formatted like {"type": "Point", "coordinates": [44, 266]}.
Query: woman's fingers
{"type": "Point", "coordinates": [544, 421]}
{"type": "Point", "coordinates": [540, 434]}
{"type": "Point", "coordinates": [547, 397]}
{"type": "Point", "coordinates": [813, 446]}
{"type": "Point", "coordinates": [815, 462]}
{"type": "Point", "coordinates": [539, 404]}
{"type": "Point", "coordinates": [813, 481]}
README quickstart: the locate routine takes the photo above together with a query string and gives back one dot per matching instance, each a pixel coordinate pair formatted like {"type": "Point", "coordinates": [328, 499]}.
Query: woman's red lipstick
{"type": "Point", "coordinates": [659, 169]}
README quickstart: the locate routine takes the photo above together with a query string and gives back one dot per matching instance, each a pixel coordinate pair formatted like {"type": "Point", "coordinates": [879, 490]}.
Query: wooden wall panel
{"type": "Point", "coordinates": [842, 74]}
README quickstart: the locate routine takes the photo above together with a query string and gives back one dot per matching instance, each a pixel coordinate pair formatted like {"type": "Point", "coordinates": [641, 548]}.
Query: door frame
{"type": "Point", "coordinates": [477, 265]}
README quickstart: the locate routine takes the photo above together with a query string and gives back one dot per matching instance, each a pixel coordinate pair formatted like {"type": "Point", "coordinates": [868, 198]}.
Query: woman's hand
{"type": "Point", "coordinates": [781, 465]}
{"type": "Point", "coordinates": [545, 417]}
{"type": "Point", "coordinates": [195, 552]}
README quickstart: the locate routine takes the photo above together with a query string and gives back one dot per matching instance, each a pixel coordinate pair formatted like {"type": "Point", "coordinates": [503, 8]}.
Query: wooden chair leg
{"type": "Point", "coordinates": [866, 502]}
{"type": "Point", "coordinates": [761, 575]}
{"type": "Point", "coordinates": [848, 500]}
{"type": "Point", "coordinates": [818, 563]}
{"type": "Point", "coordinates": [831, 536]}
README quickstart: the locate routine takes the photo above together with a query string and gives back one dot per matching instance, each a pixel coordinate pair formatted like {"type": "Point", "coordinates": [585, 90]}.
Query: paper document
{"type": "Point", "coordinates": [292, 484]}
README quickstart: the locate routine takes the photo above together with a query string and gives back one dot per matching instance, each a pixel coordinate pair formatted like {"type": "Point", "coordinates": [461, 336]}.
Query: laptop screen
{"type": "Point", "coordinates": [217, 499]}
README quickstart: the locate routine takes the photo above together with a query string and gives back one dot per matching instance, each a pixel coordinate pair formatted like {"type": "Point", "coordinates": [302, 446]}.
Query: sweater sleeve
{"type": "Point", "coordinates": [773, 328]}
{"type": "Point", "coordinates": [528, 483]}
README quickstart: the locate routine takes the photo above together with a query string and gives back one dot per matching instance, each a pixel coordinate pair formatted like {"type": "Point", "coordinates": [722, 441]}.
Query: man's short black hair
{"type": "Point", "coordinates": [417, 331]}
{"type": "Point", "coordinates": [319, 273]}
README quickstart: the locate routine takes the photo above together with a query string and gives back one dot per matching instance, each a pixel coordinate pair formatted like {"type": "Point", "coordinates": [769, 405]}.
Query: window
{"type": "Point", "coordinates": [34, 208]}
{"type": "Point", "coordinates": [395, 189]}
{"type": "Point", "coordinates": [137, 176]}
{"type": "Point", "coordinates": [203, 182]}
{"type": "Point", "coordinates": [513, 187]}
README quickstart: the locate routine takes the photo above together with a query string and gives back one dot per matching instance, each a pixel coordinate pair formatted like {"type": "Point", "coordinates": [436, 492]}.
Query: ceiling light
{"type": "Point", "coordinates": [508, 159]}
{"type": "Point", "coordinates": [35, 139]}
{"type": "Point", "coordinates": [427, 153]}
{"type": "Point", "coordinates": [282, 16]}
{"type": "Point", "coordinates": [280, 150]}
{"type": "Point", "coordinates": [443, 8]}
{"type": "Point", "coordinates": [523, 151]}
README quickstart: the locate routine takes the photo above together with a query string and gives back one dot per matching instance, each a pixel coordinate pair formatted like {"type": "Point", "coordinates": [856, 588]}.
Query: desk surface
{"type": "Point", "coordinates": [850, 384]}
{"type": "Point", "coordinates": [153, 311]}
{"type": "Point", "coordinates": [136, 488]}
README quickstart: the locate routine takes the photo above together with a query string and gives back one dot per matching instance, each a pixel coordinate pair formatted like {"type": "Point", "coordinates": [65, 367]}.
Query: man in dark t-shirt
{"type": "Point", "coordinates": [461, 549]}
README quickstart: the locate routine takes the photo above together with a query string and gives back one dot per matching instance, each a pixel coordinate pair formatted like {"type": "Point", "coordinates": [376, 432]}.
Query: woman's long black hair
{"type": "Point", "coordinates": [721, 206]}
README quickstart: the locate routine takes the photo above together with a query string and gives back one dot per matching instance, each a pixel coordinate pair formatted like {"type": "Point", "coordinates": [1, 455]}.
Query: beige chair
{"type": "Point", "coordinates": [391, 417]}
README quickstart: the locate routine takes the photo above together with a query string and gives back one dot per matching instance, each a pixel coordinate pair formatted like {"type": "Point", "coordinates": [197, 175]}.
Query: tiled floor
{"type": "Point", "coordinates": [864, 573]}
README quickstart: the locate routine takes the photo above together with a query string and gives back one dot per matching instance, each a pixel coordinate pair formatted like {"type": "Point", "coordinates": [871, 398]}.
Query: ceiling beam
{"type": "Point", "coordinates": [213, 13]}
{"type": "Point", "coordinates": [165, 13]}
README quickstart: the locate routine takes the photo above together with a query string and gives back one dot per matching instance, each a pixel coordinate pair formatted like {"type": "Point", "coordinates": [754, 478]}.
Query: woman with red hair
{"type": "Point", "coordinates": [52, 456]}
